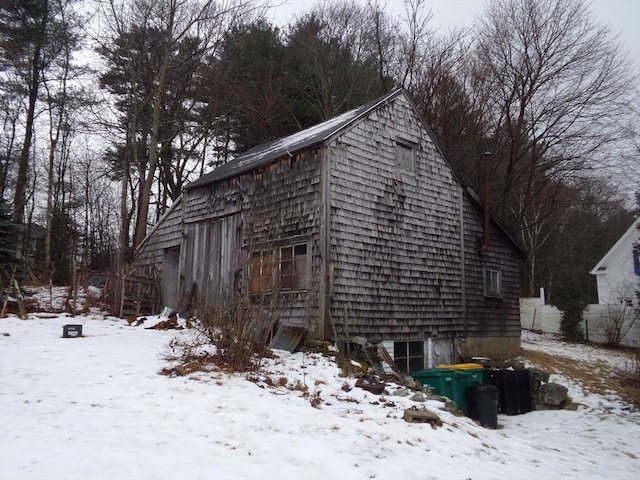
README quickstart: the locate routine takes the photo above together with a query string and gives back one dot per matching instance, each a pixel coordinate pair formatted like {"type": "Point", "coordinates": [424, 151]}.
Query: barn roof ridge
{"type": "Point", "coordinates": [291, 144]}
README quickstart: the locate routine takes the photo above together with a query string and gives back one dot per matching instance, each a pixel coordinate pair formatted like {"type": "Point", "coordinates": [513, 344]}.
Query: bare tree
{"type": "Point", "coordinates": [31, 41]}
{"type": "Point", "coordinates": [555, 84]}
{"type": "Point", "coordinates": [11, 107]}
{"type": "Point", "coordinates": [61, 100]}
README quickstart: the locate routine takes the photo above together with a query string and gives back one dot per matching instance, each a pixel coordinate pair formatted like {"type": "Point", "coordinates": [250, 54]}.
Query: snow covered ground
{"type": "Point", "coordinates": [95, 407]}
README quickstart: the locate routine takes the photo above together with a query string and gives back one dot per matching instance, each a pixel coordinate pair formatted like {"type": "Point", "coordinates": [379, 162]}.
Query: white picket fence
{"type": "Point", "coordinates": [536, 315]}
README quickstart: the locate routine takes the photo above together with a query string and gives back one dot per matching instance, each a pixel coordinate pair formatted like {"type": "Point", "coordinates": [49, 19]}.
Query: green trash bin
{"type": "Point", "coordinates": [465, 375]}
{"type": "Point", "coordinates": [439, 380]}
{"type": "Point", "coordinates": [451, 381]}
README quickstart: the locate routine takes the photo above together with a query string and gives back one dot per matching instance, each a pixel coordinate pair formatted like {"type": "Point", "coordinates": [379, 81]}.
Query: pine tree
{"type": "Point", "coordinates": [8, 245]}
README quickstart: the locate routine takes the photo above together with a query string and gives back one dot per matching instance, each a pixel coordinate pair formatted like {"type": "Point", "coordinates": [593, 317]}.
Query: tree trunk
{"type": "Point", "coordinates": [147, 183]}
{"type": "Point", "coordinates": [20, 197]}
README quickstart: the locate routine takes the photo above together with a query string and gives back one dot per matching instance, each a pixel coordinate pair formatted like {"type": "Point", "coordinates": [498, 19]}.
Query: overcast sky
{"type": "Point", "coordinates": [623, 16]}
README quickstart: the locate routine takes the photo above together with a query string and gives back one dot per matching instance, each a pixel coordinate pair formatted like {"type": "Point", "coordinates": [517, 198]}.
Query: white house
{"type": "Point", "coordinates": [618, 272]}
{"type": "Point", "coordinates": [615, 319]}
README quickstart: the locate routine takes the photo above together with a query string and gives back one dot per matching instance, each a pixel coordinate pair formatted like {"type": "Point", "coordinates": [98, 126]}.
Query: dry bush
{"type": "Point", "coordinates": [231, 337]}
{"type": "Point", "coordinates": [189, 356]}
{"type": "Point", "coordinates": [240, 332]}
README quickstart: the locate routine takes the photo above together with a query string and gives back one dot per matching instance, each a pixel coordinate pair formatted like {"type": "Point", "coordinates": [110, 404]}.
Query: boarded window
{"type": "Point", "coordinates": [261, 272]}
{"type": "Point", "coordinates": [405, 156]}
{"type": "Point", "coordinates": [409, 356]}
{"type": "Point", "coordinates": [492, 283]}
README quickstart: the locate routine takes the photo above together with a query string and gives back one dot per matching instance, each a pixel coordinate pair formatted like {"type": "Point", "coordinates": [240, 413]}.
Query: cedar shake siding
{"type": "Point", "coordinates": [395, 233]}
{"type": "Point", "coordinates": [355, 227]}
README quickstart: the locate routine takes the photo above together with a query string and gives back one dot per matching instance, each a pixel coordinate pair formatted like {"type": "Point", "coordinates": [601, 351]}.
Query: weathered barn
{"type": "Point", "coordinates": [357, 227]}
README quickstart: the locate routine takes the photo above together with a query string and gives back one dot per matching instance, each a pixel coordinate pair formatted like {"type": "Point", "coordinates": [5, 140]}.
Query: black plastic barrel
{"type": "Point", "coordinates": [514, 395]}
{"type": "Point", "coordinates": [482, 400]}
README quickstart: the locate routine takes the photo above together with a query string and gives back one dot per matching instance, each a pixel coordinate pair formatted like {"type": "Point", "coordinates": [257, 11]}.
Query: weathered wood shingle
{"type": "Point", "coordinates": [390, 232]}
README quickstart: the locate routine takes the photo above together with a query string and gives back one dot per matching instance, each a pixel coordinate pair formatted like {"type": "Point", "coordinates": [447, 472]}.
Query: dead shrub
{"type": "Point", "coordinates": [239, 332]}
{"type": "Point", "coordinates": [189, 356]}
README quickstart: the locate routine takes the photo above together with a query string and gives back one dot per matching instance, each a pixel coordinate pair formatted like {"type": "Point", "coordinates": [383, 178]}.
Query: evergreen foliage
{"type": "Point", "coordinates": [8, 244]}
{"type": "Point", "coordinates": [572, 300]}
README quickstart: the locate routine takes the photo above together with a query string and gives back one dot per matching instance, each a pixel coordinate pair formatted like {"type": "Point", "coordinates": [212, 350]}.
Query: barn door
{"type": "Point", "coordinates": [222, 261]}
{"type": "Point", "coordinates": [169, 282]}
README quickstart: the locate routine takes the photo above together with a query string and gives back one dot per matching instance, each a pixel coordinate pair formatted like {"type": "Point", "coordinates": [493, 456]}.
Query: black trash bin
{"type": "Point", "coordinates": [514, 395]}
{"type": "Point", "coordinates": [482, 400]}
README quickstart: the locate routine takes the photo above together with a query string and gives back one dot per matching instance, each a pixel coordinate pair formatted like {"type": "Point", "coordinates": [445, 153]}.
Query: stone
{"type": "Point", "coordinates": [418, 397]}
{"type": "Point", "coordinates": [538, 375]}
{"type": "Point", "coordinates": [401, 392]}
{"type": "Point", "coordinates": [552, 394]}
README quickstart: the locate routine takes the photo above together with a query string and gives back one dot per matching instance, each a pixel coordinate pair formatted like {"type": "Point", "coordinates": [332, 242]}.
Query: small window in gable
{"type": "Point", "coordinates": [636, 261]}
{"type": "Point", "coordinates": [405, 155]}
{"type": "Point", "coordinates": [492, 283]}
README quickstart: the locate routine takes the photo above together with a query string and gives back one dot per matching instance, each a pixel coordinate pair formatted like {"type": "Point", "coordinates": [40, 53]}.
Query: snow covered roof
{"type": "Point", "coordinates": [288, 146]}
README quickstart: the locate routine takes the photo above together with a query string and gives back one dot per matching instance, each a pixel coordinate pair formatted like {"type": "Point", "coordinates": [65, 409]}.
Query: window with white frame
{"type": "Point", "coordinates": [409, 356]}
{"type": "Point", "coordinates": [492, 283]}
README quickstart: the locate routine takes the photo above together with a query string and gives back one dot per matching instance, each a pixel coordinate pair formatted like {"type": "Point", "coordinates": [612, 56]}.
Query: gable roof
{"type": "Point", "coordinates": [288, 146]}
{"type": "Point", "coordinates": [601, 267]}
{"type": "Point", "coordinates": [318, 134]}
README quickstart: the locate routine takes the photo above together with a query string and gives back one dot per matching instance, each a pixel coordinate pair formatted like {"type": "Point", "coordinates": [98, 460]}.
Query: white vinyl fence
{"type": "Point", "coordinates": [598, 320]}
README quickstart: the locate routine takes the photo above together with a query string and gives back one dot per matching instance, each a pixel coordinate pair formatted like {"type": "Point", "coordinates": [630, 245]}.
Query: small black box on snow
{"type": "Point", "coordinates": [71, 331]}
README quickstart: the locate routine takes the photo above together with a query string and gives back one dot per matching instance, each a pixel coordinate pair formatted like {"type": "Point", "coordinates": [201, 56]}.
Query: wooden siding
{"type": "Point", "coordinates": [395, 235]}
{"type": "Point", "coordinates": [210, 261]}
{"type": "Point", "coordinates": [487, 317]}
{"type": "Point", "coordinates": [166, 234]}
{"type": "Point", "coordinates": [392, 252]}
{"type": "Point", "coordinates": [283, 207]}
{"type": "Point", "coordinates": [225, 222]}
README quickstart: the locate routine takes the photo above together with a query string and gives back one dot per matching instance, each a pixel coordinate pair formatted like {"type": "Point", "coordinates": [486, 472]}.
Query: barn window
{"type": "Point", "coordinates": [492, 283]}
{"type": "Point", "coordinates": [261, 272]}
{"type": "Point", "coordinates": [409, 356]}
{"type": "Point", "coordinates": [405, 159]}
{"type": "Point", "coordinates": [293, 267]}
{"type": "Point", "coordinates": [287, 263]}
